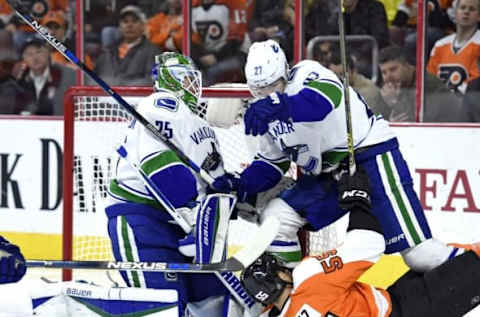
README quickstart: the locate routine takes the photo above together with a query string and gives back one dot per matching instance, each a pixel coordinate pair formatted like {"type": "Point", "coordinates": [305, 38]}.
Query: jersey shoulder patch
{"type": "Point", "coordinates": [167, 103]}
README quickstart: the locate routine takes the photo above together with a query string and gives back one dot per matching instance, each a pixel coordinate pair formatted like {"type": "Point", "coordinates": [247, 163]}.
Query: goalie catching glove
{"type": "Point", "coordinates": [354, 191]}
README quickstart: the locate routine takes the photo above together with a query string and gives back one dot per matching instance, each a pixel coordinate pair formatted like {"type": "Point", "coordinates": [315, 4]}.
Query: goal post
{"type": "Point", "coordinates": [93, 124]}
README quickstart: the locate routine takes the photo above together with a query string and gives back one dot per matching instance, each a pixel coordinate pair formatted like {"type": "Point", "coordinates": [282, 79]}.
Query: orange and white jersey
{"type": "Point", "coordinates": [326, 286]}
{"type": "Point", "coordinates": [220, 22]}
{"type": "Point", "coordinates": [455, 68]}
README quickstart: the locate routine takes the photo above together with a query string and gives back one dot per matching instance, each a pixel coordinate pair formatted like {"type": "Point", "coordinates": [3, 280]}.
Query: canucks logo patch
{"type": "Point", "coordinates": [167, 103]}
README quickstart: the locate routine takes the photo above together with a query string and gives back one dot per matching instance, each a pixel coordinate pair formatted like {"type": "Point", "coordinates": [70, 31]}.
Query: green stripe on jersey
{"type": "Point", "coordinates": [332, 91]}
{"type": "Point", "coordinates": [398, 199]}
{"type": "Point", "coordinates": [116, 190]}
{"type": "Point", "coordinates": [284, 166]}
{"type": "Point", "coordinates": [159, 160]}
{"type": "Point", "coordinates": [128, 249]}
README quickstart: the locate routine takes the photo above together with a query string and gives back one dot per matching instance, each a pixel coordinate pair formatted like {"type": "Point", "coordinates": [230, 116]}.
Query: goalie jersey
{"type": "Point", "coordinates": [317, 139]}
{"type": "Point", "coordinates": [327, 285]}
{"type": "Point", "coordinates": [176, 180]}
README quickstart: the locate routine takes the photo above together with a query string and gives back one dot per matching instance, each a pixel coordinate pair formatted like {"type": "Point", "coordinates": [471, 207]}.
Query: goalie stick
{"type": "Point", "coordinates": [256, 245]}
{"type": "Point", "coordinates": [20, 10]}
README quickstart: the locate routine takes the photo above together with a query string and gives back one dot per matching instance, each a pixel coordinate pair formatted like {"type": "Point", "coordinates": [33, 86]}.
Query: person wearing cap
{"type": "Point", "coordinates": [57, 25]}
{"type": "Point", "coordinates": [44, 83]}
{"type": "Point", "coordinates": [129, 61]}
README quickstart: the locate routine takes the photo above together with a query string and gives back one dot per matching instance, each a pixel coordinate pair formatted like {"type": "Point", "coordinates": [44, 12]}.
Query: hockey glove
{"type": "Point", "coordinates": [228, 183]}
{"type": "Point", "coordinates": [12, 263]}
{"type": "Point", "coordinates": [354, 191]}
{"type": "Point", "coordinates": [261, 112]}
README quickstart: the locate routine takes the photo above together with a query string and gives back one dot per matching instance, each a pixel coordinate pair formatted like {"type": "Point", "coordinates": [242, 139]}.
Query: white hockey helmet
{"type": "Point", "coordinates": [266, 68]}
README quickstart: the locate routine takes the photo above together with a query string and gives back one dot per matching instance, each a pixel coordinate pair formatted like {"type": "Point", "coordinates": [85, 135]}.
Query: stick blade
{"type": "Point", "coordinates": [257, 244]}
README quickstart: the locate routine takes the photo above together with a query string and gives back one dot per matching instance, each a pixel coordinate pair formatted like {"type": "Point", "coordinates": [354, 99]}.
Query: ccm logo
{"type": "Point", "coordinates": [356, 193]}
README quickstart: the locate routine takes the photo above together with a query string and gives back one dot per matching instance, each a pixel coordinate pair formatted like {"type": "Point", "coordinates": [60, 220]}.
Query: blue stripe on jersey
{"type": "Point", "coordinates": [309, 106]}
{"type": "Point", "coordinates": [260, 176]}
{"type": "Point", "coordinates": [177, 183]}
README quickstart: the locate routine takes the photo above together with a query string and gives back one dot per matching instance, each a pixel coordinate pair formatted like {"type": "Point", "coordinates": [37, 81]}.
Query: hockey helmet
{"type": "Point", "coordinates": [261, 279]}
{"type": "Point", "coordinates": [266, 69]}
{"type": "Point", "coordinates": [177, 73]}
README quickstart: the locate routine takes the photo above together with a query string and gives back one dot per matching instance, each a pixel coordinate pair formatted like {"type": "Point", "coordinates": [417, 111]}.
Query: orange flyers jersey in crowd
{"type": "Point", "coordinates": [166, 31]}
{"type": "Point", "coordinates": [455, 68]}
{"type": "Point", "coordinates": [327, 285]}
{"type": "Point", "coordinates": [224, 20]}
{"type": "Point", "coordinates": [52, 5]}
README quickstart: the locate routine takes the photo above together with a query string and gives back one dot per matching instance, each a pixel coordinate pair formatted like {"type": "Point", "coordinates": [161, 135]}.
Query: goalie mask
{"type": "Point", "coordinates": [177, 73]}
{"type": "Point", "coordinates": [266, 68]}
{"type": "Point", "coordinates": [261, 279]}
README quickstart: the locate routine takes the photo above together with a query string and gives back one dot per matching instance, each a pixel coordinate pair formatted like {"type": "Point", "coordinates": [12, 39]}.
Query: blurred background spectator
{"type": "Point", "coordinates": [10, 91]}
{"type": "Point", "coordinates": [403, 30]}
{"type": "Point", "coordinates": [20, 30]}
{"type": "Point", "coordinates": [367, 89]}
{"type": "Point", "coordinates": [398, 91]}
{"type": "Point", "coordinates": [165, 29]}
{"type": "Point", "coordinates": [455, 58]}
{"type": "Point", "coordinates": [129, 61]}
{"type": "Point", "coordinates": [56, 23]}
{"type": "Point", "coordinates": [270, 21]}
{"type": "Point", "coordinates": [320, 18]}
{"type": "Point", "coordinates": [44, 83]}
{"type": "Point", "coordinates": [219, 34]}
{"type": "Point", "coordinates": [364, 17]}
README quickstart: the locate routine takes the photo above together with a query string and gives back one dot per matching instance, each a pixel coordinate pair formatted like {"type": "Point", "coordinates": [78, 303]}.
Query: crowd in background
{"type": "Point", "coordinates": [122, 37]}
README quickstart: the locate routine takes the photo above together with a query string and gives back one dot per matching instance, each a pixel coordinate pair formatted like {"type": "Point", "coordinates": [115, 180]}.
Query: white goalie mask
{"type": "Point", "coordinates": [266, 68]}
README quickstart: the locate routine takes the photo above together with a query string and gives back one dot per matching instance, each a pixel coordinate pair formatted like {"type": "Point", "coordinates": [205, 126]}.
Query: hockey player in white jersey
{"type": "Point", "coordinates": [299, 116]}
{"type": "Point", "coordinates": [140, 229]}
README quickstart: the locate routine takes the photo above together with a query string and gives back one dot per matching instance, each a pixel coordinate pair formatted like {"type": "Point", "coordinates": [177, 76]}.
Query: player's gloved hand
{"type": "Point", "coordinates": [12, 263]}
{"type": "Point", "coordinates": [354, 191]}
{"type": "Point", "coordinates": [228, 183]}
{"type": "Point", "coordinates": [261, 112]}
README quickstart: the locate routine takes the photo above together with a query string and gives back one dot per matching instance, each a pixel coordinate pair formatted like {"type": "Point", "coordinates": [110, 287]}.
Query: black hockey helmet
{"type": "Point", "coordinates": [261, 279]}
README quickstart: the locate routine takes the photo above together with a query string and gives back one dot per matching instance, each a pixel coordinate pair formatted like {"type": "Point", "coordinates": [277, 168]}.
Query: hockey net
{"type": "Point", "coordinates": [94, 124]}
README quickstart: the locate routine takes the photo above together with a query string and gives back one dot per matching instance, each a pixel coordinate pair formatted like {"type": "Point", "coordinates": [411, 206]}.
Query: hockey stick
{"type": "Point", "coordinates": [242, 259]}
{"type": "Point", "coordinates": [229, 280]}
{"type": "Point", "coordinates": [156, 192]}
{"type": "Point", "coordinates": [20, 10]}
{"type": "Point", "coordinates": [346, 84]}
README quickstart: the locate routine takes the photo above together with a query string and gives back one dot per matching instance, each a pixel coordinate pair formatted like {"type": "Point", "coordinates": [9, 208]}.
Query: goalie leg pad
{"type": "Point", "coordinates": [286, 244]}
{"type": "Point", "coordinates": [212, 228]}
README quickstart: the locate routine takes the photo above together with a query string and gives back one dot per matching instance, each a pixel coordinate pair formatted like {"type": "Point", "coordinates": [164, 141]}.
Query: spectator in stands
{"type": "Point", "coordinates": [470, 101]}
{"type": "Point", "coordinates": [10, 91]}
{"type": "Point", "coordinates": [44, 83]}
{"type": "Point", "coordinates": [404, 26]}
{"type": "Point", "coordinates": [56, 23]}
{"type": "Point", "coordinates": [219, 28]}
{"type": "Point", "coordinates": [129, 61]}
{"type": "Point", "coordinates": [365, 87]}
{"type": "Point", "coordinates": [269, 22]}
{"type": "Point", "coordinates": [455, 58]}
{"type": "Point", "coordinates": [321, 19]}
{"type": "Point", "coordinates": [165, 29]}
{"type": "Point", "coordinates": [21, 31]}
{"type": "Point", "coordinates": [365, 17]}
{"type": "Point", "coordinates": [398, 91]}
